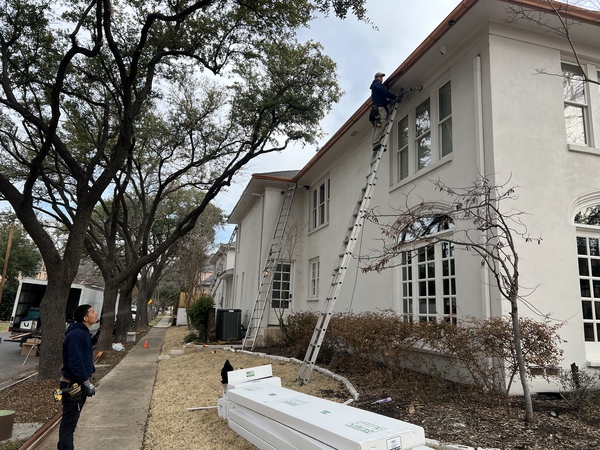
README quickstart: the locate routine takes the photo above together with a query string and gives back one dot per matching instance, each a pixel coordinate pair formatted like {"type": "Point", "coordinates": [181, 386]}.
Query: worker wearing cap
{"type": "Point", "coordinates": [380, 97]}
{"type": "Point", "coordinates": [78, 367]}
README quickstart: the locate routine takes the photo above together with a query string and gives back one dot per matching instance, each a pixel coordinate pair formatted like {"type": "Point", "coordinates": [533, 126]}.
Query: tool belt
{"type": "Point", "coordinates": [73, 390]}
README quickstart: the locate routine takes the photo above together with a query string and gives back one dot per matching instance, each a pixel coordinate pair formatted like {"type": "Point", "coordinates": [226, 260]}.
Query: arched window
{"type": "Point", "coordinates": [428, 274]}
{"type": "Point", "coordinates": [425, 226]}
{"type": "Point", "coordinates": [588, 259]}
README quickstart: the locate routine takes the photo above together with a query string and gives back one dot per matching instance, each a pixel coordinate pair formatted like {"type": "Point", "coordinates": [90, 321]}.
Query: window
{"type": "Point", "coordinates": [418, 144]}
{"type": "Point", "coordinates": [313, 290]}
{"type": "Point", "coordinates": [320, 204]}
{"type": "Point", "coordinates": [428, 273]}
{"type": "Point", "coordinates": [445, 119]}
{"type": "Point", "coordinates": [576, 107]}
{"type": "Point", "coordinates": [281, 292]}
{"type": "Point", "coordinates": [588, 259]}
{"type": "Point", "coordinates": [403, 148]}
{"type": "Point", "coordinates": [423, 134]}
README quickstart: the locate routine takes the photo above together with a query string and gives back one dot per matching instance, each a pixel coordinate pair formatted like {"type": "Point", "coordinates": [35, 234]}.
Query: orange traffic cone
{"type": "Point", "coordinates": [146, 344]}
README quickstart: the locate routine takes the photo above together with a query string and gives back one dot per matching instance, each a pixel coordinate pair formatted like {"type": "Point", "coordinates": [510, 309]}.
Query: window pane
{"type": "Point", "coordinates": [587, 310]}
{"type": "Point", "coordinates": [423, 118]}
{"type": "Point", "coordinates": [594, 250]}
{"type": "Point", "coordinates": [583, 267]}
{"type": "Point", "coordinates": [403, 164]}
{"type": "Point", "coordinates": [424, 151]}
{"type": "Point", "coordinates": [588, 216]}
{"type": "Point", "coordinates": [595, 267]}
{"type": "Point", "coordinates": [403, 133]}
{"type": "Point", "coordinates": [597, 310]}
{"type": "Point", "coordinates": [588, 332]}
{"type": "Point", "coordinates": [445, 101]}
{"type": "Point", "coordinates": [431, 287]}
{"type": "Point", "coordinates": [584, 287]}
{"type": "Point", "coordinates": [575, 124]}
{"type": "Point", "coordinates": [573, 84]}
{"type": "Point", "coordinates": [596, 284]}
{"type": "Point", "coordinates": [446, 136]}
{"type": "Point", "coordinates": [581, 246]}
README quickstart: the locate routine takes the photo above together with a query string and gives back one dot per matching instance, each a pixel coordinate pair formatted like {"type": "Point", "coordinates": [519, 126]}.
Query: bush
{"type": "Point", "coordinates": [199, 314]}
{"type": "Point", "coordinates": [580, 389]}
{"type": "Point", "coordinates": [469, 345]}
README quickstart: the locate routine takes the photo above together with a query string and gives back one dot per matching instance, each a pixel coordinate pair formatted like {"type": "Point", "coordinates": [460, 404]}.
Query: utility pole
{"type": "Point", "coordinates": [8, 245]}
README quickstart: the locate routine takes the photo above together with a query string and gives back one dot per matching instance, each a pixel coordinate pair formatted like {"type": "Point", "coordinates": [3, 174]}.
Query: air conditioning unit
{"type": "Point", "coordinates": [229, 323]}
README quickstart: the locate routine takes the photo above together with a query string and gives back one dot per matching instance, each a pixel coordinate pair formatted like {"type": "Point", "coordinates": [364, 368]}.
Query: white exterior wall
{"type": "Point", "coordinates": [521, 141]}
{"type": "Point", "coordinates": [530, 144]}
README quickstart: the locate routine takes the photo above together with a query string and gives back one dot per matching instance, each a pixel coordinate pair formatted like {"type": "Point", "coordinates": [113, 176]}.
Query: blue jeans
{"type": "Point", "coordinates": [72, 406]}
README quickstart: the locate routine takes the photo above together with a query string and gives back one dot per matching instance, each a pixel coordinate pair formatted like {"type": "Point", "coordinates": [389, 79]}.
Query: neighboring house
{"type": "Point", "coordinates": [221, 281]}
{"type": "Point", "coordinates": [485, 108]}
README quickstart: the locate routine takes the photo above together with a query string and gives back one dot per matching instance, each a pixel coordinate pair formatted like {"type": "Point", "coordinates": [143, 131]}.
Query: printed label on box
{"type": "Point", "coordinates": [249, 373]}
{"type": "Point", "coordinates": [294, 402]}
{"type": "Point", "coordinates": [365, 427]}
{"type": "Point", "coordinates": [394, 443]}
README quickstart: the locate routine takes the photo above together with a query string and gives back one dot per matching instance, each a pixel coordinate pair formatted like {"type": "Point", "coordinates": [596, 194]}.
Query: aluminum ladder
{"type": "Point", "coordinates": [269, 270]}
{"type": "Point", "coordinates": [216, 281]}
{"type": "Point", "coordinates": [341, 267]}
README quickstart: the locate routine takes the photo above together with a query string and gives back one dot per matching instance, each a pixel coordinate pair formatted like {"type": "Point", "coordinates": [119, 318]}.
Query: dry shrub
{"type": "Point", "coordinates": [471, 350]}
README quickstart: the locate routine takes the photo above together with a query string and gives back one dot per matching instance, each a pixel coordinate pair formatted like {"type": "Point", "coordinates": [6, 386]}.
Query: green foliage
{"type": "Point", "coordinates": [199, 314]}
{"type": "Point", "coordinates": [465, 348]}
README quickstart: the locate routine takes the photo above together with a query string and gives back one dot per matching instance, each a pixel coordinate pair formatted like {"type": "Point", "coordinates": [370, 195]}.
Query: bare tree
{"type": "Point", "coordinates": [480, 223]}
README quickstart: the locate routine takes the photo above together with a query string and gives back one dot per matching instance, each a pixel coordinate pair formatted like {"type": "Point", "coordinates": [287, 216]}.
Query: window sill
{"type": "Point", "coordinates": [583, 149]}
{"type": "Point", "coordinates": [315, 299]}
{"type": "Point", "coordinates": [445, 160]}
{"type": "Point", "coordinates": [314, 230]}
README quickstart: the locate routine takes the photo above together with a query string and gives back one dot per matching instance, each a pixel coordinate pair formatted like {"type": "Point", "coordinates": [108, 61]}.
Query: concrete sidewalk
{"type": "Point", "coordinates": [115, 418]}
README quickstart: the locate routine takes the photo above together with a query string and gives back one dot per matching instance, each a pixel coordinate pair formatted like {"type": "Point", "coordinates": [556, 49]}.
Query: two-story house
{"type": "Point", "coordinates": [500, 98]}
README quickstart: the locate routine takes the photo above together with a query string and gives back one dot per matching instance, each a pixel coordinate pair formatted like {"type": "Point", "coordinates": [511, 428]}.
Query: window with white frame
{"type": "Point", "coordinates": [402, 155]}
{"type": "Point", "coordinates": [428, 274]}
{"type": "Point", "coordinates": [576, 105]}
{"type": "Point", "coordinates": [314, 267]}
{"type": "Point", "coordinates": [418, 144]}
{"type": "Point", "coordinates": [320, 204]}
{"type": "Point", "coordinates": [588, 258]}
{"type": "Point", "coordinates": [445, 119]}
{"type": "Point", "coordinates": [281, 290]}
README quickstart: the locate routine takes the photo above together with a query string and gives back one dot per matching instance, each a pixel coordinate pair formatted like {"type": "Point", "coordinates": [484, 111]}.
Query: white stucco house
{"type": "Point", "coordinates": [500, 98]}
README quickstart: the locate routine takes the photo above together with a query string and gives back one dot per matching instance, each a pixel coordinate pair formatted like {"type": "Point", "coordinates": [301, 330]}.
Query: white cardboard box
{"type": "Point", "coordinates": [249, 374]}
{"type": "Point", "coordinates": [275, 433]}
{"type": "Point", "coordinates": [337, 425]}
{"type": "Point", "coordinates": [250, 437]}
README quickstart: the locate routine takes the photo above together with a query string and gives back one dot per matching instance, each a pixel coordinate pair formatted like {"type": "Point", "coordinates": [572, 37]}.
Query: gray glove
{"type": "Point", "coordinates": [90, 389]}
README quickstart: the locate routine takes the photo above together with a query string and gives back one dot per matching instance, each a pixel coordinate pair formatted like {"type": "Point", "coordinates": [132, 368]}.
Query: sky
{"type": "Point", "coordinates": [359, 50]}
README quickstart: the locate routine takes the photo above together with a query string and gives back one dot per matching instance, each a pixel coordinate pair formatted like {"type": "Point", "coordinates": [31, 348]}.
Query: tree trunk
{"type": "Point", "coordinates": [519, 354]}
{"type": "Point", "coordinates": [108, 315]}
{"type": "Point", "coordinates": [124, 320]}
{"type": "Point", "coordinates": [53, 317]}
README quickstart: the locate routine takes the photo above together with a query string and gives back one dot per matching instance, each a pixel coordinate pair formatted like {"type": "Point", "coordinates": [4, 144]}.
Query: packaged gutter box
{"type": "Point", "coordinates": [337, 425]}
{"type": "Point", "coordinates": [275, 433]}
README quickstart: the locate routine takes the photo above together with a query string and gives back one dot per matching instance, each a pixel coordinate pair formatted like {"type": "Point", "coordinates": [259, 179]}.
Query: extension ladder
{"type": "Point", "coordinates": [216, 281]}
{"type": "Point", "coordinates": [345, 256]}
{"type": "Point", "coordinates": [269, 270]}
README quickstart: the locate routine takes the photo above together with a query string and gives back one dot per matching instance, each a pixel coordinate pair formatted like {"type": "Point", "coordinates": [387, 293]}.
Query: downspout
{"type": "Point", "coordinates": [262, 226]}
{"type": "Point", "coordinates": [480, 154]}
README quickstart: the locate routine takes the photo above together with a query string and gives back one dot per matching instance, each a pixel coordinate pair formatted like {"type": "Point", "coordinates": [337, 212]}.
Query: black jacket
{"type": "Point", "coordinates": [78, 356]}
{"type": "Point", "coordinates": [380, 94]}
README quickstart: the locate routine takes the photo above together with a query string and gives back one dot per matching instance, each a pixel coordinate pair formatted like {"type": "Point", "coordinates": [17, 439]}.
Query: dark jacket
{"type": "Point", "coordinates": [78, 356]}
{"type": "Point", "coordinates": [379, 93]}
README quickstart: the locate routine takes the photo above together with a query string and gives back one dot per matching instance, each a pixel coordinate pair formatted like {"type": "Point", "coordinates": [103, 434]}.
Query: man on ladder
{"type": "Point", "coordinates": [379, 110]}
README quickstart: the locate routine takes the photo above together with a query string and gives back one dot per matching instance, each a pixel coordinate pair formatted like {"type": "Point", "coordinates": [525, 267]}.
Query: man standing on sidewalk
{"type": "Point", "coordinates": [78, 367]}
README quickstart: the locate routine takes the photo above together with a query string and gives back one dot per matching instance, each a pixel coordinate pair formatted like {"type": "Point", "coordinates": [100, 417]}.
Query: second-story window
{"type": "Point", "coordinates": [576, 105]}
{"type": "Point", "coordinates": [320, 204]}
{"type": "Point", "coordinates": [423, 134]}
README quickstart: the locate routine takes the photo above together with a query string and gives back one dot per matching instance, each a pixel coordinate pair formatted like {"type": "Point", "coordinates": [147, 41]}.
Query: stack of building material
{"type": "Point", "coordinates": [272, 417]}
